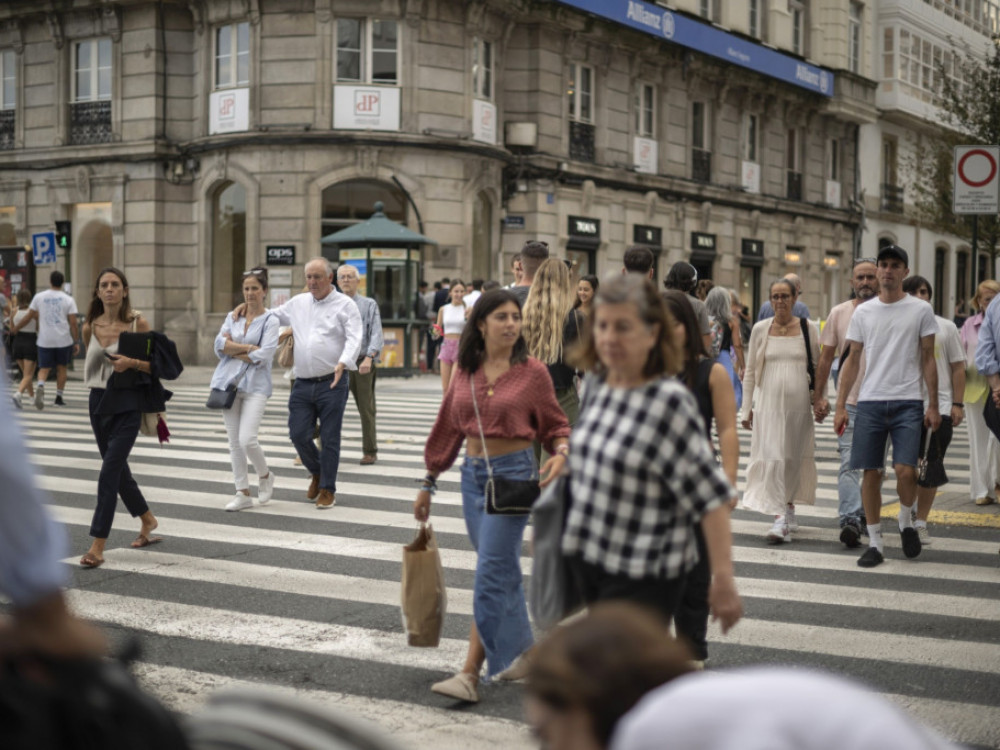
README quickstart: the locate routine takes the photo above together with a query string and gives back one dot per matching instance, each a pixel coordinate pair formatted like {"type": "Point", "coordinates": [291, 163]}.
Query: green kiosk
{"type": "Point", "coordinates": [388, 258]}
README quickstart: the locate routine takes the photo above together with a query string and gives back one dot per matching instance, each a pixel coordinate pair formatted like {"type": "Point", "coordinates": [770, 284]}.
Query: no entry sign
{"type": "Point", "coordinates": [976, 180]}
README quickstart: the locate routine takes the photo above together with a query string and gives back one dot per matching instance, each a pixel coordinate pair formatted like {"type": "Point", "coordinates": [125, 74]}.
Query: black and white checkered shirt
{"type": "Point", "coordinates": [642, 473]}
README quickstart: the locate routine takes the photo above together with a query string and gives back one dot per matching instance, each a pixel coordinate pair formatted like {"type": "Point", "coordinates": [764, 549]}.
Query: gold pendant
{"type": "Point", "coordinates": [489, 390]}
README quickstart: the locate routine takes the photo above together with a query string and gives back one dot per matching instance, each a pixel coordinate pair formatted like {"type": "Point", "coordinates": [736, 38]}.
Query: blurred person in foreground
{"type": "Point", "coordinates": [616, 680]}
{"type": "Point", "coordinates": [984, 449]}
{"type": "Point", "coordinates": [642, 473]}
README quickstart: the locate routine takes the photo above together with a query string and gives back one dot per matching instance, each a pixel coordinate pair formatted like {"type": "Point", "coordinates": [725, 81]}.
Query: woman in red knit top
{"type": "Point", "coordinates": [517, 404]}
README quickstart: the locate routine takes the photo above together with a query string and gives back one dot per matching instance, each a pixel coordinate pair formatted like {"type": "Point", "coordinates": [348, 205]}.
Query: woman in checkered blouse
{"type": "Point", "coordinates": [642, 472]}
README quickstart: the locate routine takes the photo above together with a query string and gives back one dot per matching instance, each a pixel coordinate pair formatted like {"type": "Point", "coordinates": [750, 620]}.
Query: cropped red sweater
{"type": "Point", "coordinates": [523, 406]}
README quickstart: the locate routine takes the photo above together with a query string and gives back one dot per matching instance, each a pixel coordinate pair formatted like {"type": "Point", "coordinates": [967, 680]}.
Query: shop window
{"type": "Point", "coordinates": [229, 240]}
{"type": "Point", "coordinates": [482, 69]}
{"type": "Point", "coordinates": [90, 110]}
{"type": "Point", "coordinates": [232, 56]}
{"type": "Point", "coordinates": [367, 51]}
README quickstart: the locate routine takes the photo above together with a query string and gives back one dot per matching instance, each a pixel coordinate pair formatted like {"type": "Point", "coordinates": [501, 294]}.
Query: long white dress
{"type": "Point", "coordinates": [782, 466]}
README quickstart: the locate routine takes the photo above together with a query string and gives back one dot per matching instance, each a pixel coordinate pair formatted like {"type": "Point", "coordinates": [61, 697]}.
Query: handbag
{"type": "Point", "coordinates": [810, 367]}
{"type": "Point", "coordinates": [286, 352]}
{"type": "Point", "coordinates": [224, 398]}
{"type": "Point", "coordinates": [504, 497]}
{"type": "Point", "coordinates": [552, 595]}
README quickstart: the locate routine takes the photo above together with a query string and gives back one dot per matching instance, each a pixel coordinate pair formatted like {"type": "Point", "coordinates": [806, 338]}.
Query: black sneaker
{"type": "Point", "coordinates": [59, 401]}
{"type": "Point", "coordinates": [850, 535]}
{"type": "Point", "coordinates": [871, 558]}
{"type": "Point", "coordinates": [911, 542]}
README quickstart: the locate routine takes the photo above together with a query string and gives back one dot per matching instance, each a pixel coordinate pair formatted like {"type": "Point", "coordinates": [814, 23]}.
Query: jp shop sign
{"type": "Point", "coordinates": [365, 108]}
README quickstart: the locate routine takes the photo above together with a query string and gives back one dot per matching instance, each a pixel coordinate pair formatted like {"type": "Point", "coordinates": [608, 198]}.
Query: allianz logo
{"type": "Point", "coordinates": [660, 22]}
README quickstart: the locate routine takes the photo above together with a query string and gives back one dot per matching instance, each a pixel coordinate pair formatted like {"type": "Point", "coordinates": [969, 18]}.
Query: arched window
{"type": "Point", "coordinates": [229, 245]}
{"type": "Point", "coordinates": [352, 201]}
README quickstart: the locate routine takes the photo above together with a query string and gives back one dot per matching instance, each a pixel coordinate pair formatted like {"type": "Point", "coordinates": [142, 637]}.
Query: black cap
{"type": "Point", "coordinates": [894, 251]}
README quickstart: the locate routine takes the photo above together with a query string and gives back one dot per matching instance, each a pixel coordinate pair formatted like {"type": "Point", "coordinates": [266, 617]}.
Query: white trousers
{"type": "Point", "coordinates": [984, 454]}
{"type": "Point", "coordinates": [242, 424]}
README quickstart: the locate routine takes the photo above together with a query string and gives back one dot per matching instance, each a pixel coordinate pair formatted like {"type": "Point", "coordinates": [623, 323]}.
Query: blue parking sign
{"type": "Point", "coordinates": [43, 245]}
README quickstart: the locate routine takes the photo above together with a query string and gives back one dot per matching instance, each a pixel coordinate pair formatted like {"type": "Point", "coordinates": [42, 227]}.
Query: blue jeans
{"type": "Point", "coordinates": [115, 435]}
{"type": "Point", "coordinates": [848, 479]}
{"type": "Point", "coordinates": [308, 402]}
{"type": "Point", "coordinates": [498, 604]}
{"type": "Point", "coordinates": [878, 420]}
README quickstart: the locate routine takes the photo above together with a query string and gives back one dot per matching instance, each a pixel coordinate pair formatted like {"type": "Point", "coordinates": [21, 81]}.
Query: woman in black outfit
{"type": "Point", "coordinates": [709, 381]}
{"type": "Point", "coordinates": [118, 399]}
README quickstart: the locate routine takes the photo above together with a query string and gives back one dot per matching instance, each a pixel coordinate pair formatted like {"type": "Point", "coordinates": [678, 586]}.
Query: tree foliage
{"type": "Point", "coordinates": [969, 108]}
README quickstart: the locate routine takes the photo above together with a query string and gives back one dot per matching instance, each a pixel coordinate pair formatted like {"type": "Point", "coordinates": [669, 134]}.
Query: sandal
{"type": "Point", "coordinates": [144, 541]}
{"type": "Point", "coordinates": [90, 561]}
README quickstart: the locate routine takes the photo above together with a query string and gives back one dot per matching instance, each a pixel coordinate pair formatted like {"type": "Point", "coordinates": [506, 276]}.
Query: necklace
{"type": "Point", "coordinates": [782, 330]}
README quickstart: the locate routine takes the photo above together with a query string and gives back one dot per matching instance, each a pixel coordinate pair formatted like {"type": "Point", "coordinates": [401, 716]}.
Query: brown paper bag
{"type": "Point", "coordinates": [423, 593]}
{"type": "Point", "coordinates": [286, 352]}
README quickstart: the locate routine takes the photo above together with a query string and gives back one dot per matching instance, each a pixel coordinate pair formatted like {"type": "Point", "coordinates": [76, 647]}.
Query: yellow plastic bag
{"type": "Point", "coordinates": [424, 599]}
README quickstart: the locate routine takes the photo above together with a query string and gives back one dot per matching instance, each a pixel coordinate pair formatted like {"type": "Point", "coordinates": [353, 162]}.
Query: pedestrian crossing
{"type": "Point", "coordinates": [308, 602]}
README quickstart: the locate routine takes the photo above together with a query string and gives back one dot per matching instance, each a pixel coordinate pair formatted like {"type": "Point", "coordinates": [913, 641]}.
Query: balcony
{"type": "Point", "coordinates": [892, 199]}
{"type": "Point", "coordinates": [581, 141]}
{"type": "Point", "coordinates": [794, 188]}
{"type": "Point", "coordinates": [701, 165]}
{"type": "Point", "coordinates": [90, 122]}
{"type": "Point", "coordinates": [7, 128]}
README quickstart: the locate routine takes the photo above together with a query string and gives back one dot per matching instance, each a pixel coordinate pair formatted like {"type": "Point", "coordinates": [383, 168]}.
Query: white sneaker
{"type": "Point", "coordinates": [924, 534]}
{"type": "Point", "coordinates": [462, 687]}
{"type": "Point", "coordinates": [265, 488]}
{"type": "Point", "coordinates": [40, 396]}
{"type": "Point", "coordinates": [16, 398]}
{"type": "Point", "coordinates": [793, 524]}
{"type": "Point", "coordinates": [779, 533]}
{"type": "Point", "coordinates": [239, 502]}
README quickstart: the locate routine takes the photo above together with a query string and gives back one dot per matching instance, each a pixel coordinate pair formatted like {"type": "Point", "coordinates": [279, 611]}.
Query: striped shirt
{"type": "Point", "coordinates": [371, 327]}
{"type": "Point", "coordinates": [642, 474]}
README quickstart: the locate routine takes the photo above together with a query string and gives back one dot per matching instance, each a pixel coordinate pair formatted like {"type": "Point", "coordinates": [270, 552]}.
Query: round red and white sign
{"type": "Point", "coordinates": [977, 168]}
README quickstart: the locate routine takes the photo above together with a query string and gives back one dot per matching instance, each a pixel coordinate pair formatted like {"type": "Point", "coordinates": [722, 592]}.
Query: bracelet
{"type": "Point", "coordinates": [960, 406]}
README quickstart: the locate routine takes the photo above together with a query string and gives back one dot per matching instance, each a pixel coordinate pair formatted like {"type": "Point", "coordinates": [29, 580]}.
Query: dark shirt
{"type": "Point", "coordinates": [561, 373]}
{"type": "Point", "coordinates": [521, 292]}
{"type": "Point", "coordinates": [441, 298]}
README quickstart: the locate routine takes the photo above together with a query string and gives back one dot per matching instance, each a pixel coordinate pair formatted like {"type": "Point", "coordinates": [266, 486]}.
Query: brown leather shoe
{"type": "Point", "coordinates": [313, 490]}
{"type": "Point", "coordinates": [325, 500]}
{"type": "Point", "coordinates": [368, 459]}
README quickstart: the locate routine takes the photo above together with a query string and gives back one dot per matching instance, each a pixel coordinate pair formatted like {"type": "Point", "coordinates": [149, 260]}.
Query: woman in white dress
{"type": "Point", "coordinates": [782, 468]}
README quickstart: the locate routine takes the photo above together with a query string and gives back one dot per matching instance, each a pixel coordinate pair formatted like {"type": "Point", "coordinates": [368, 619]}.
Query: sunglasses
{"type": "Point", "coordinates": [259, 272]}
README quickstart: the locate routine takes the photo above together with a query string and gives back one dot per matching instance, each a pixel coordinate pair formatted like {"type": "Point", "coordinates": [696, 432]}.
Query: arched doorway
{"type": "Point", "coordinates": [482, 237]}
{"type": "Point", "coordinates": [94, 250]}
{"type": "Point", "coordinates": [229, 245]}
{"type": "Point", "coordinates": [351, 201]}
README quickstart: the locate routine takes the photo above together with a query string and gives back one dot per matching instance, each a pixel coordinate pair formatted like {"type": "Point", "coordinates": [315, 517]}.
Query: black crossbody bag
{"type": "Point", "coordinates": [810, 367]}
{"type": "Point", "coordinates": [504, 497]}
{"type": "Point", "coordinates": [224, 398]}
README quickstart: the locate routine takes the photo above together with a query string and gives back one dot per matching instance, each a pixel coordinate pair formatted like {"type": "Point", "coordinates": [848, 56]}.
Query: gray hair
{"type": "Point", "coordinates": [320, 259]}
{"type": "Point", "coordinates": [351, 270]}
{"type": "Point", "coordinates": [719, 304]}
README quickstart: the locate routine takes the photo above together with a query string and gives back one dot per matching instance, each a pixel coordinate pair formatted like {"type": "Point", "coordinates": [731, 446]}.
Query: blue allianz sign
{"type": "Point", "coordinates": [705, 38]}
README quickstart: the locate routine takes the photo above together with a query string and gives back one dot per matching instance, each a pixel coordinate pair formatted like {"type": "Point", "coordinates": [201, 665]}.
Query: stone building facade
{"type": "Point", "coordinates": [183, 139]}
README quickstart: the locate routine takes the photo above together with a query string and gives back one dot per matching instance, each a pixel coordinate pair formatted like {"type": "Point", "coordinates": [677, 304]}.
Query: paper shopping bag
{"type": "Point", "coordinates": [423, 594]}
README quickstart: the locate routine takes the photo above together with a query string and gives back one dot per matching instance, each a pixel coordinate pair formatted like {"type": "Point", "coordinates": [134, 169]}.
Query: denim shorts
{"type": "Point", "coordinates": [877, 420]}
{"type": "Point", "coordinates": [54, 357]}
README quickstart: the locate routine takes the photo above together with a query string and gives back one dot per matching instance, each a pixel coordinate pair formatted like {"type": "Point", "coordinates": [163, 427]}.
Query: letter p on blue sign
{"type": "Point", "coordinates": [43, 246]}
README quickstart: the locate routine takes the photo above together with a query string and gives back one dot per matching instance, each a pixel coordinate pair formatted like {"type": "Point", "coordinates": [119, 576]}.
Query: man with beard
{"type": "Point", "coordinates": [834, 342]}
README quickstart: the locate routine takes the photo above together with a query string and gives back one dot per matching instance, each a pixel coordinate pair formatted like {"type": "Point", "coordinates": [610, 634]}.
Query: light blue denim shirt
{"type": "Point", "coordinates": [988, 348]}
{"type": "Point", "coordinates": [258, 376]}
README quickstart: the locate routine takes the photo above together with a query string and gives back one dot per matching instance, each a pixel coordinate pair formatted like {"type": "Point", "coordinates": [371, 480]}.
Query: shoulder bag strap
{"type": "Point", "coordinates": [246, 365]}
{"type": "Point", "coordinates": [809, 354]}
{"type": "Point", "coordinates": [479, 422]}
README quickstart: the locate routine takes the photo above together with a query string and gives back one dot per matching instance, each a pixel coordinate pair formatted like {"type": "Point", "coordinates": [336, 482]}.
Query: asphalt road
{"type": "Point", "coordinates": [306, 601]}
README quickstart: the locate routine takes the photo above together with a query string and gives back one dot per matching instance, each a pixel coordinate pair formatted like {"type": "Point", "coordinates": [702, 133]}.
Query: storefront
{"type": "Point", "coordinates": [703, 254]}
{"type": "Point", "coordinates": [16, 271]}
{"type": "Point", "coordinates": [583, 244]}
{"type": "Point", "coordinates": [751, 261]}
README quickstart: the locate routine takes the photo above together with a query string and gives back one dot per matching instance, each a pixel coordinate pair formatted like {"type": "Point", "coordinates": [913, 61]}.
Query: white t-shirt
{"type": "Point", "coordinates": [891, 336]}
{"type": "Point", "coordinates": [470, 298]}
{"type": "Point", "coordinates": [947, 349]}
{"type": "Point", "coordinates": [54, 307]}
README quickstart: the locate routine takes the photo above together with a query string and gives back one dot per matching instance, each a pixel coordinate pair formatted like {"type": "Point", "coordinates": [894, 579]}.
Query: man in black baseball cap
{"type": "Point", "coordinates": [894, 251]}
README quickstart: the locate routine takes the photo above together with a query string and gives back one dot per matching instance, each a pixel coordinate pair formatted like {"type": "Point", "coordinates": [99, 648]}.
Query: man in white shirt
{"type": "Point", "coordinates": [949, 356]}
{"type": "Point", "coordinates": [834, 342]}
{"type": "Point", "coordinates": [477, 291]}
{"type": "Point", "coordinates": [58, 333]}
{"type": "Point", "coordinates": [326, 326]}
{"type": "Point", "coordinates": [896, 335]}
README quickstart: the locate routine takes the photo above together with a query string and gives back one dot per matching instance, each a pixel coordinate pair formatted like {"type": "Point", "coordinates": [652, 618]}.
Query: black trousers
{"type": "Point", "coordinates": [662, 595]}
{"type": "Point", "coordinates": [691, 619]}
{"type": "Point", "coordinates": [115, 434]}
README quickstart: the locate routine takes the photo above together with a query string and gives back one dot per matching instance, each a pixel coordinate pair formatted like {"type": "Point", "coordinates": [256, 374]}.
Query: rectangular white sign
{"type": "Point", "coordinates": [484, 122]}
{"type": "Point", "coordinates": [750, 176]}
{"type": "Point", "coordinates": [975, 182]}
{"type": "Point", "coordinates": [365, 108]}
{"type": "Point", "coordinates": [645, 155]}
{"type": "Point", "coordinates": [229, 111]}
{"type": "Point", "coordinates": [833, 193]}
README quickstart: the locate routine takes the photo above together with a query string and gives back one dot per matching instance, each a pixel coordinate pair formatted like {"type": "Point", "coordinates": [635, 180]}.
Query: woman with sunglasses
{"type": "Point", "coordinates": [782, 467]}
{"type": "Point", "coordinates": [245, 348]}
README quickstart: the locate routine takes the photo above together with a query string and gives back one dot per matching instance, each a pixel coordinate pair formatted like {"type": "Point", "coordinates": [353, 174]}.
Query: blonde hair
{"type": "Point", "coordinates": [550, 298]}
{"type": "Point", "coordinates": [989, 285]}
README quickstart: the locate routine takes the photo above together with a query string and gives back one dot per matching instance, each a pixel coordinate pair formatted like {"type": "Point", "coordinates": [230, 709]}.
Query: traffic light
{"type": "Point", "coordinates": [64, 235]}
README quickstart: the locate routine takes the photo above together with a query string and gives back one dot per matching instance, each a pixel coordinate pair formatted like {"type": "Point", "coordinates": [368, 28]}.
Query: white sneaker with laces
{"type": "Point", "coordinates": [265, 488]}
{"type": "Point", "coordinates": [779, 533]}
{"type": "Point", "coordinates": [239, 502]}
{"type": "Point", "coordinates": [793, 524]}
{"type": "Point", "coordinates": [924, 534]}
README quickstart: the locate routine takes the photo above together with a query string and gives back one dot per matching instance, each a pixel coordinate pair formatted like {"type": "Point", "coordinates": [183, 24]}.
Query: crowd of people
{"type": "Point", "coordinates": [629, 391]}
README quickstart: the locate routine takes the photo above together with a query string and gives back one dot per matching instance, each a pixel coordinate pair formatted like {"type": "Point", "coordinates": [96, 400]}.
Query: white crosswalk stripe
{"type": "Point", "coordinates": [229, 594]}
